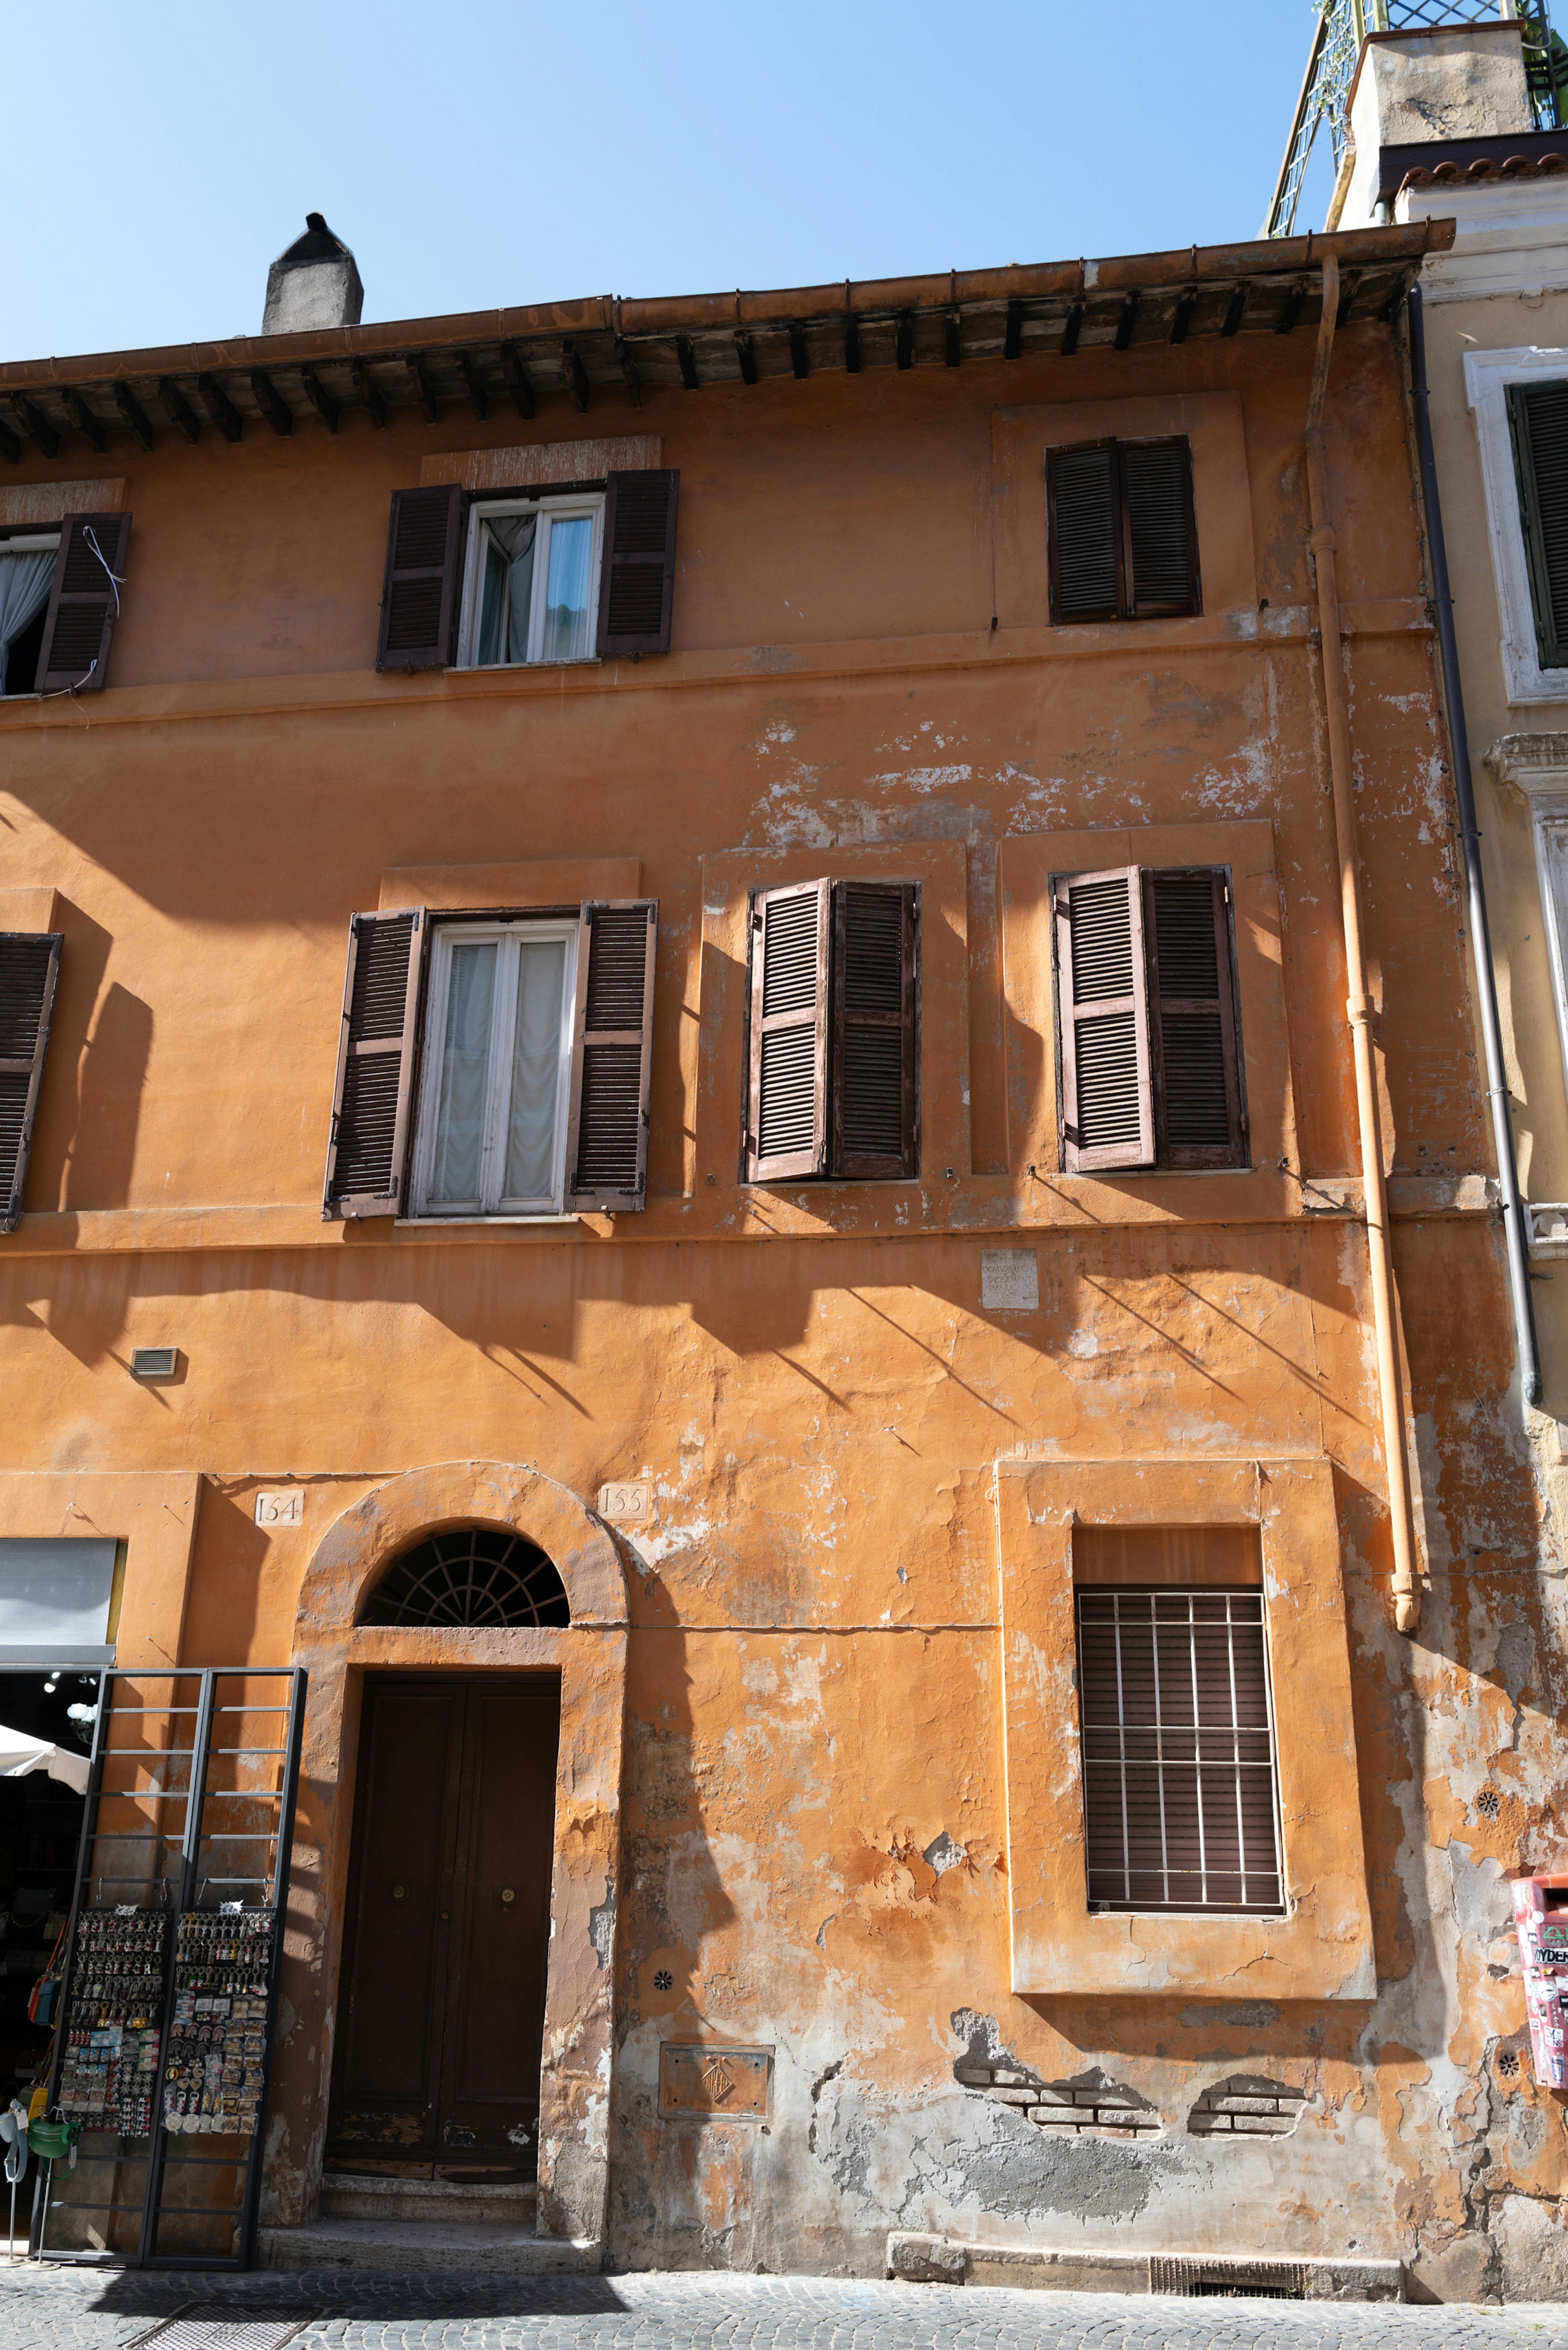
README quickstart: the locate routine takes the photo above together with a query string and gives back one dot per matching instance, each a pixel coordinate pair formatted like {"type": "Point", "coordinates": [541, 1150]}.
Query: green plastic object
{"type": "Point", "coordinates": [50, 2141]}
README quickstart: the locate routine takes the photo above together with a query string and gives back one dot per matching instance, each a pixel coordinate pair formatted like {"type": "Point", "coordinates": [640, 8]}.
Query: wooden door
{"type": "Point", "coordinates": [442, 2005]}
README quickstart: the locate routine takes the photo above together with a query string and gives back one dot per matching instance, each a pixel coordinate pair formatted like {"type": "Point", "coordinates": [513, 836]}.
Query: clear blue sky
{"type": "Point", "coordinates": [159, 158]}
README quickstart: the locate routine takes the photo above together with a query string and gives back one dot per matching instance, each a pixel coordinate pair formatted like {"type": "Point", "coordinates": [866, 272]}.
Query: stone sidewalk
{"type": "Point", "coordinates": [62, 2309]}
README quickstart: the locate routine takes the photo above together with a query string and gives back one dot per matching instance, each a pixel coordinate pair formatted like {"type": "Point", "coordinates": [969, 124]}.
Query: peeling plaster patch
{"type": "Point", "coordinates": [942, 1854]}
{"type": "Point", "coordinates": [1251, 2015]}
{"type": "Point", "coordinates": [601, 1925]}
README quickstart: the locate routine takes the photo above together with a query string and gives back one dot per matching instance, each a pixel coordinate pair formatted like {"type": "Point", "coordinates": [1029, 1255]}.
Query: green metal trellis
{"type": "Point", "coordinates": [1342, 28]}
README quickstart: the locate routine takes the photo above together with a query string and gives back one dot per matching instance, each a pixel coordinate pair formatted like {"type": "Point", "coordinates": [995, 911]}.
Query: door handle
{"type": "Point", "coordinates": [508, 1896]}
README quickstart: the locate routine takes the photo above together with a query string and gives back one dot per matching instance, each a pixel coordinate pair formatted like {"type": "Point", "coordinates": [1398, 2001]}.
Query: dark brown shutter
{"type": "Point", "coordinates": [1161, 556]}
{"type": "Point", "coordinates": [372, 1099]}
{"type": "Point", "coordinates": [420, 600]}
{"type": "Point", "coordinates": [29, 960]}
{"type": "Point", "coordinates": [84, 602]}
{"type": "Point", "coordinates": [1179, 1802]}
{"type": "Point", "coordinates": [1102, 1005]}
{"type": "Point", "coordinates": [1538, 418]}
{"type": "Point", "coordinates": [786, 1089]}
{"type": "Point", "coordinates": [636, 583]}
{"type": "Point", "coordinates": [875, 1028]}
{"type": "Point", "coordinates": [612, 1041]}
{"type": "Point", "coordinates": [1198, 1113]}
{"type": "Point", "coordinates": [1083, 490]}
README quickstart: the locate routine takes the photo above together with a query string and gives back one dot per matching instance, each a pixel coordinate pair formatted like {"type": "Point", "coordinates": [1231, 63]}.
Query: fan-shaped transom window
{"type": "Point", "coordinates": [475, 1576]}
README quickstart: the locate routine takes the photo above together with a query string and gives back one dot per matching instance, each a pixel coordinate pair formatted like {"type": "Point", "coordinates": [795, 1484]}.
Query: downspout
{"type": "Point", "coordinates": [1358, 1008]}
{"type": "Point", "coordinates": [1515, 1231]}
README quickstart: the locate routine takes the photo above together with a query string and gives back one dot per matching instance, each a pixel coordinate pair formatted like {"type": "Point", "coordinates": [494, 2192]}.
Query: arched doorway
{"type": "Point", "coordinates": [440, 2011]}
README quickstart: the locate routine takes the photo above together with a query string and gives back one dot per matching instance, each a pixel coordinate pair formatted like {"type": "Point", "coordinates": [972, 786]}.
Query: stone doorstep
{"type": "Point", "coordinates": [454, 2247]}
{"type": "Point", "coordinates": [463, 2202]}
{"type": "Point", "coordinates": [943, 2260]}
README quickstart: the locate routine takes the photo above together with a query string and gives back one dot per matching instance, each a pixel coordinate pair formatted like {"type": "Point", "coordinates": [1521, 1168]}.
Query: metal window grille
{"type": "Point", "coordinates": [474, 1576]}
{"type": "Point", "coordinates": [1182, 1804]}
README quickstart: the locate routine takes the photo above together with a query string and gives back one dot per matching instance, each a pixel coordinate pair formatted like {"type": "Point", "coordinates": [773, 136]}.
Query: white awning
{"type": "Point", "coordinates": [20, 1755]}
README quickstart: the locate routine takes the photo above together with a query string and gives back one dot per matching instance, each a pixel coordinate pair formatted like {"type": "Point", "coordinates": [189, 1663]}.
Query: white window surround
{"type": "Point", "coordinates": [493, 1202]}
{"type": "Point", "coordinates": [1488, 375]}
{"type": "Point", "coordinates": [550, 511]}
{"type": "Point", "coordinates": [1537, 765]}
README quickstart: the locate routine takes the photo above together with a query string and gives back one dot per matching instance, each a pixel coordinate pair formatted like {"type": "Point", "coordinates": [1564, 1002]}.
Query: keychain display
{"type": "Point", "coordinates": [217, 2038]}
{"type": "Point", "coordinates": [110, 2059]}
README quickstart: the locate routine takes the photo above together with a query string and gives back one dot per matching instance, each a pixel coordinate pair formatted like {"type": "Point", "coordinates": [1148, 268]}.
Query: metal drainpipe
{"type": "Point", "coordinates": [1358, 1008]}
{"type": "Point", "coordinates": [1515, 1234]}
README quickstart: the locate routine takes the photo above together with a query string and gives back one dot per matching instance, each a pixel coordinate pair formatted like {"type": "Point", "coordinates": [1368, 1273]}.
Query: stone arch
{"type": "Point", "coordinates": [590, 1654]}
{"type": "Point", "coordinates": [357, 1547]}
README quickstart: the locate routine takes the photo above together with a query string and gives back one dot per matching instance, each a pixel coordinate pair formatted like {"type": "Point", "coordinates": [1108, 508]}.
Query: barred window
{"type": "Point", "coordinates": [1179, 1788]}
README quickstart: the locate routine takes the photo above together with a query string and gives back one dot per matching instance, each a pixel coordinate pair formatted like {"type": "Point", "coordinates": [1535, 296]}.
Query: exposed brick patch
{"type": "Point", "coordinates": [1247, 2105]}
{"type": "Point", "coordinates": [1088, 2106]}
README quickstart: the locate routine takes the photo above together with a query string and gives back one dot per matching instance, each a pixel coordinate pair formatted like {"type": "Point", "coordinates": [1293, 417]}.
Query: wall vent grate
{"type": "Point", "coordinates": [1220, 2280]}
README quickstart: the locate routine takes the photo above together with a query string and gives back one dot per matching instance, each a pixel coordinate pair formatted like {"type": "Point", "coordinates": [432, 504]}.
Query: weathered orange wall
{"type": "Point", "coordinates": [807, 1374]}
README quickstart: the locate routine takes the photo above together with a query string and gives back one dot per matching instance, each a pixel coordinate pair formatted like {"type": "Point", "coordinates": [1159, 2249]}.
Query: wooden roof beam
{"type": "Point", "coordinates": [1181, 316]}
{"type": "Point", "coordinates": [133, 414]}
{"type": "Point", "coordinates": [272, 405]}
{"type": "Point", "coordinates": [220, 407]}
{"type": "Point", "coordinates": [1125, 324]}
{"type": "Point", "coordinates": [628, 370]}
{"type": "Point", "coordinates": [10, 446]}
{"type": "Point", "coordinates": [82, 417]}
{"type": "Point", "coordinates": [952, 338]}
{"type": "Point", "coordinates": [177, 410]}
{"type": "Point", "coordinates": [514, 376]}
{"type": "Point", "coordinates": [320, 399]}
{"type": "Point", "coordinates": [686, 358]}
{"type": "Point", "coordinates": [426, 397]}
{"type": "Point", "coordinates": [1072, 327]}
{"type": "Point", "coordinates": [370, 393]}
{"type": "Point", "coordinates": [36, 426]}
{"type": "Point", "coordinates": [579, 391]}
{"type": "Point", "coordinates": [799, 357]}
{"type": "Point", "coordinates": [1235, 310]}
{"type": "Point", "coordinates": [478, 399]}
{"type": "Point", "coordinates": [746, 357]}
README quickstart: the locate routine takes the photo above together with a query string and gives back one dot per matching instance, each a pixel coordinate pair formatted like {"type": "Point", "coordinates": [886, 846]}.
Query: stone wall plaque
{"type": "Point", "coordinates": [722, 2083]}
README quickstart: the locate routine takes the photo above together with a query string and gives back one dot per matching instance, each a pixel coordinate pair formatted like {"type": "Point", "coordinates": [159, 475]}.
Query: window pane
{"type": "Point", "coordinates": [464, 1071]}
{"type": "Point", "coordinates": [492, 606]}
{"type": "Point", "coordinates": [535, 1071]}
{"type": "Point", "coordinates": [566, 595]}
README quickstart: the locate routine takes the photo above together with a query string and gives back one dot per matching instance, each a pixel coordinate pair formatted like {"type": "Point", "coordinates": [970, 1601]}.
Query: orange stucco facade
{"type": "Point", "coordinates": [818, 1789]}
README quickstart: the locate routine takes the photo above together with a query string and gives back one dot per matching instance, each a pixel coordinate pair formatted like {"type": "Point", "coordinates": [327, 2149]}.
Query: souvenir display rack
{"type": "Point", "coordinates": [170, 1968]}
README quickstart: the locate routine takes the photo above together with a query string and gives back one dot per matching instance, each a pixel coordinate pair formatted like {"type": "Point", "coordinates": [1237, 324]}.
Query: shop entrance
{"type": "Point", "coordinates": [442, 2005]}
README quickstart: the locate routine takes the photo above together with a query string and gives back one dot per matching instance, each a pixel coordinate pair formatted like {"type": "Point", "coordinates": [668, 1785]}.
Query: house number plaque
{"type": "Point", "coordinates": [732, 2084]}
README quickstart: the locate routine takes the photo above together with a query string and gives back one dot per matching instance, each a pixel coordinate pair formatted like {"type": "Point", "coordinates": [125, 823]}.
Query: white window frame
{"type": "Point", "coordinates": [491, 1203]}
{"type": "Point", "coordinates": [550, 511]}
{"type": "Point", "coordinates": [1488, 375]}
{"type": "Point", "coordinates": [1537, 765]}
{"type": "Point", "coordinates": [32, 541]}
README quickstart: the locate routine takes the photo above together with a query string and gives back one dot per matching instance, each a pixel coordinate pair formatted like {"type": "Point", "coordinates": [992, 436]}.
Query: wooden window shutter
{"type": "Point", "coordinates": [637, 583]}
{"type": "Point", "coordinates": [84, 602]}
{"type": "Point", "coordinates": [372, 1099]}
{"type": "Point", "coordinates": [1102, 1000]}
{"type": "Point", "coordinates": [1199, 1115]}
{"type": "Point", "coordinates": [29, 963]}
{"type": "Point", "coordinates": [612, 1042]}
{"type": "Point", "coordinates": [420, 600]}
{"type": "Point", "coordinates": [875, 1028]}
{"type": "Point", "coordinates": [787, 1090]}
{"type": "Point", "coordinates": [1538, 416]}
{"type": "Point", "coordinates": [1161, 558]}
{"type": "Point", "coordinates": [1085, 552]}
{"type": "Point", "coordinates": [1180, 1808]}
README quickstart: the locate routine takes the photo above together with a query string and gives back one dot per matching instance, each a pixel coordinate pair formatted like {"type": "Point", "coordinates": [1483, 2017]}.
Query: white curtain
{"type": "Point", "coordinates": [514, 536]}
{"type": "Point", "coordinates": [535, 1071]}
{"type": "Point", "coordinates": [25, 582]}
{"type": "Point", "coordinates": [465, 1061]}
{"type": "Point", "coordinates": [567, 596]}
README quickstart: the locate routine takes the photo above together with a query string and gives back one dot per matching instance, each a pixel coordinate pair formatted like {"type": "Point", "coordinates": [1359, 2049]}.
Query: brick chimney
{"type": "Point", "coordinates": [315, 284]}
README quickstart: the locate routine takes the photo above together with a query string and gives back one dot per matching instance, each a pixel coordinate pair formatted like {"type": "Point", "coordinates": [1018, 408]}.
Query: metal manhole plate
{"type": "Point", "coordinates": [218, 2326]}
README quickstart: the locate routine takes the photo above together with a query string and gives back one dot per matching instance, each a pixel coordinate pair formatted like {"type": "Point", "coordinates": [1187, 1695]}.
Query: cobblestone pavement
{"type": "Point", "coordinates": [75, 2310]}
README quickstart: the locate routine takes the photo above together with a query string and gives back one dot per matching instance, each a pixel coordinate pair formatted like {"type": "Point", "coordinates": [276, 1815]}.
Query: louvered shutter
{"type": "Point", "coordinates": [84, 602]}
{"type": "Point", "coordinates": [1107, 1110]}
{"type": "Point", "coordinates": [372, 1099]}
{"type": "Point", "coordinates": [1161, 556]}
{"type": "Point", "coordinates": [1537, 414]}
{"type": "Point", "coordinates": [786, 1092]}
{"type": "Point", "coordinates": [875, 1060]}
{"type": "Point", "coordinates": [420, 600]}
{"type": "Point", "coordinates": [29, 960]}
{"type": "Point", "coordinates": [636, 583]}
{"type": "Point", "coordinates": [612, 1037]}
{"type": "Point", "coordinates": [1086, 552]}
{"type": "Point", "coordinates": [1199, 1115]}
{"type": "Point", "coordinates": [1179, 1798]}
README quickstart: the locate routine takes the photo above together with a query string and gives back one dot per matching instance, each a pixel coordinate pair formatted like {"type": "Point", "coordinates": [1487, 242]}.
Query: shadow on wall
{"type": "Point", "coordinates": [112, 1073]}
